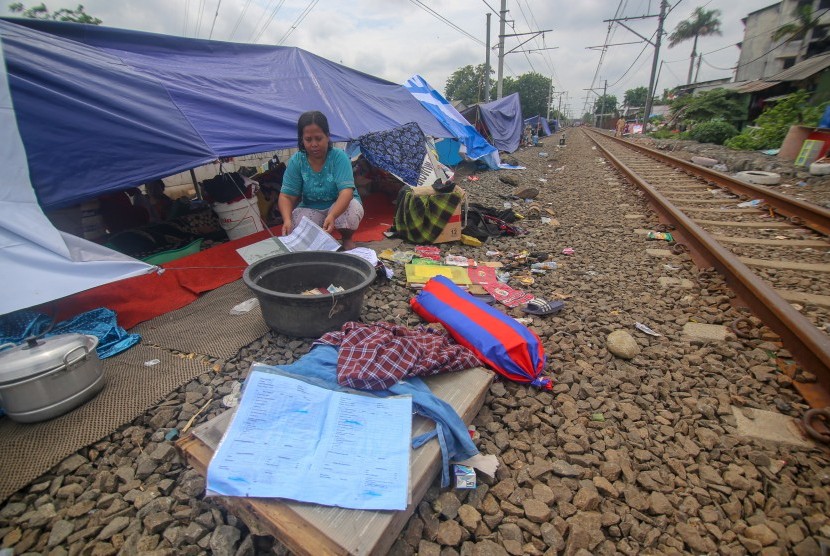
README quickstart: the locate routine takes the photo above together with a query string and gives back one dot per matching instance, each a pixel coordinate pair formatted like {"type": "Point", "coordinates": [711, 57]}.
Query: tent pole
{"type": "Point", "coordinates": [195, 184]}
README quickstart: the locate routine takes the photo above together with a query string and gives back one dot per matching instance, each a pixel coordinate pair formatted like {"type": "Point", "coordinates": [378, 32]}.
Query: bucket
{"type": "Point", "coordinates": [240, 218]}
{"type": "Point", "coordinates": [278, 282]}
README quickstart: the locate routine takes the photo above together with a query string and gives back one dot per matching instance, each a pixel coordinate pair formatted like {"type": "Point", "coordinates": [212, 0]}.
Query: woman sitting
{"type": "Point", "coordinates": [318, 183]}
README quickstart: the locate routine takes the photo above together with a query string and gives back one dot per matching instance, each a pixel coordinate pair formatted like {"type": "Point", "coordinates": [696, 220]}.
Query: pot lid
{"type": "Point", "coordinates": [35, 356]}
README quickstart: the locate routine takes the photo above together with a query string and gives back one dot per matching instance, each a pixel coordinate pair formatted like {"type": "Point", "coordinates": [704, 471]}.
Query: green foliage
{"type": "Point", "coordinates": [663, 133]}
{"type": "Point", "coordinates": [78, 15]}
{"type": "Point", "coordinates": [772, 125]}
{"type": "Point", "coordinates": [605, 104]}
{"type": "Point", "coordinates": [713, 131]}
{"type": "Point", "coordinates": [467, 85]}
{"type": "Point", "coordinates": [708, 105]}
{"type": "Point", "coordinates": [533, 89]}
{"type": "Point", "coordinates": [636, 96]}
{"type": "Point", "coordinates": [700, 24]}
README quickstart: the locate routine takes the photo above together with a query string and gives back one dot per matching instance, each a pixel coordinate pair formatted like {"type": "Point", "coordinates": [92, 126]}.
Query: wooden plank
{"type": "Point", "coordinates": [315, 529]}
{"type": "Point", "coordinates": [794, 243]}
{"type": "Point", "coordinates": [786, 265]}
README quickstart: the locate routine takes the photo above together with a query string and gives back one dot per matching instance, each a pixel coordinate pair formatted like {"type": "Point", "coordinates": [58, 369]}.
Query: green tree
{"type": "Point", "coordinates": [78, 15]}
{"type": "Point", "coordinates": [533, 89]}
{"type": "Point", "coordinates": [636, 96]}
{"type": "Point", "coordinates": [702, 23]}
{"type": "Point", "coordinates": [708, 105]}
{"type": "Point", "coordinates": [605, 104]}
{"type": "Point", "coordinates": [467, 85]}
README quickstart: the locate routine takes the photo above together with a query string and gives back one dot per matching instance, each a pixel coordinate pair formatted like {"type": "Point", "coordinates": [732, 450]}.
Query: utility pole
{"type": "Point", "coordinates": [658, 39]}
{"type": "Point", "coordinates": [487, 64]}
{"type": "Point", "coordinates": [697, 71]}
{"type": "Point", "coordinates": [550, 96]}
{"type": "Point", "coordinates": [502, 17]}
{"type": "Point", "coordinates": [502, 37]}
{"type": "Point", "coordinates": [604, 104]}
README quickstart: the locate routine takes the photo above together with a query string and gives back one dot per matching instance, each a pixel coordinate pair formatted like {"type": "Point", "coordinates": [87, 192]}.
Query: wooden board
{"type": "Point", "coordinates": [315, 529]}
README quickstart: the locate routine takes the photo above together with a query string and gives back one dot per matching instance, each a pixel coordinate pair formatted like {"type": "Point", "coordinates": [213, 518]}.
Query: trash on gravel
{"type": "Point", "coordinates": [244, 307]}
{"type": "Point", "coordinates": [752, 203]}
{"type": "Point", "coordinates": [666, 236]}
{"type": "Point", "coordinates": [152, 362]}
{"type": "Point", "coordinates": [568, 251]}
{"type": "Point", "coordinates": [643, 328]}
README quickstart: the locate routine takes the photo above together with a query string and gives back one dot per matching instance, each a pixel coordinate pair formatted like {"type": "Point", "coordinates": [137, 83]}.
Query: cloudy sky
{"type": "Point", "coordinates": [394, 39]}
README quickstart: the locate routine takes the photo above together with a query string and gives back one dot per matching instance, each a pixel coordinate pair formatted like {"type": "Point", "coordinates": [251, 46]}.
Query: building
{"type": "Point", "coordinates": [763, 57]}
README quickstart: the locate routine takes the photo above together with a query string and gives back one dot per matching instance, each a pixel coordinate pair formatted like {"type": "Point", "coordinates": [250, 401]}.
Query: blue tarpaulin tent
{"type": "Point", "coordinates": [85, 110]}
{"type": "Point", "coordinates": [101, 109]}
{"type": "Point", "coordinates": [542, 123]}
{"type": "Point", "coordinates": [502, 121]}
{"type": "Point", "coordinates": [475, 146]}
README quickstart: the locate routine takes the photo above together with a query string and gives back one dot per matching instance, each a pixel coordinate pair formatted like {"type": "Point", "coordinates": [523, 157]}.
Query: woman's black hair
{"type": "Point", "coordinates": [308, 118]}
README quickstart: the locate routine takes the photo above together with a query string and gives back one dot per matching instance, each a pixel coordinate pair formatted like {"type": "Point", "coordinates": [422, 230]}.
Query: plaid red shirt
{"type": "Point", "coordinates": [376, 356]}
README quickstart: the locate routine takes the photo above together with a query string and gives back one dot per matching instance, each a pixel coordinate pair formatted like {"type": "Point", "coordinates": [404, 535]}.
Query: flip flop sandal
{"type": "Point", "coordinates": [541, 307]}
{"type": "Point", "coordinates": [525, 280]}
{"type": "Point", "coordinates": [533, 211]}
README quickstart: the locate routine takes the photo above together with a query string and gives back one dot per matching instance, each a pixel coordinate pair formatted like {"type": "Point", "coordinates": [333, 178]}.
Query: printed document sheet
{"type": "Point", "coordinates": [307, 236]}
{"type": "Point", "coordinates": [291, 439]}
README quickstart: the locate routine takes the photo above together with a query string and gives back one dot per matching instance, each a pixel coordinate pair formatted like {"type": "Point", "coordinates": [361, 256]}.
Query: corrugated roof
{"type": "Point", "coordinates": [804, 69]}
{"type": "Point", "coordinates": [755, 86]}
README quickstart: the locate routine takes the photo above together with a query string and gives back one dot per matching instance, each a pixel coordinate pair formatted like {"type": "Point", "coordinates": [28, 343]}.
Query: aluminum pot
{"type": "Point", "coordinates": [43, 378]}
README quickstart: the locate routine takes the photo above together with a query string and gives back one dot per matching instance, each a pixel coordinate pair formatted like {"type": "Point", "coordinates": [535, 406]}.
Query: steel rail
{"type": "Point", "coordinates": [808, 345]}
{"type": "Point", "coordinates": [808, 215]}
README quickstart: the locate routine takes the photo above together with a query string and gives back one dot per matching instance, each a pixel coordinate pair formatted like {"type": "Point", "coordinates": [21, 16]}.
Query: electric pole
{"type": "Point", "coordinates": [502, 17]}
{"type": "Point", "coordinates": [487, 64]}
{"type": "Point", "coordinates": [550, 96]}
{"type": "Point", "coordinates": [658, 39]}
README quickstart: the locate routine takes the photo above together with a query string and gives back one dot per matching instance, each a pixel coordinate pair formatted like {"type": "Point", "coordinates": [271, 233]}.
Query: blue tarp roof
{"type": "Point", "coordinates": [503, 118]}
{"type": "Point", "coordinates": [102, 109]}
{"type": "Point", "coordinates": [475, 146]}
{"type": "Point", "coordinates": [542, 122]}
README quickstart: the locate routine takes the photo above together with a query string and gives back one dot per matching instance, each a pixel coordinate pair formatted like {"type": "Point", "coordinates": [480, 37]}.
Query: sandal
{"type": "Point", "coordinates": [541, 307]}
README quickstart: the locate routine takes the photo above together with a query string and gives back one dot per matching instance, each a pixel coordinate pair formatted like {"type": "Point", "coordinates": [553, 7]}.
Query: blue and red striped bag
{"type": "Point", "coordinates": [503, 344]}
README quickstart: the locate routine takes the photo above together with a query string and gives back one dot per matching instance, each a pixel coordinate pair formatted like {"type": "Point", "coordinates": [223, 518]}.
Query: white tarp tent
{"type": "Point", "coordinates": [38, 262]}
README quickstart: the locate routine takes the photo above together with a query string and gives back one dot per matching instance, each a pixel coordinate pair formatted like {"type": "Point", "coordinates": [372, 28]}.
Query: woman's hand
{"type": "Point", "coordinates": [328, 223]}
{"type": "Point", "coordinates": [286, 204]}
{"type": "Point", "coordinates": [287, 227]}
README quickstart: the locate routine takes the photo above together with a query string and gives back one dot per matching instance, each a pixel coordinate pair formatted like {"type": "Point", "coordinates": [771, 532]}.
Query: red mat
{"type": "Point", "coordinates": [142, 298]}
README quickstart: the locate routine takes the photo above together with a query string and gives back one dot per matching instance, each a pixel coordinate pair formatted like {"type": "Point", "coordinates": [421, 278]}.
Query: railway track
{"type": "Point", "coordinates": [774, 251]}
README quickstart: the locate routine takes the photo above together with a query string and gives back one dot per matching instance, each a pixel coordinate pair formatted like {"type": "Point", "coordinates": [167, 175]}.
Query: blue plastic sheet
{"type": "Point", "coordinates": [102, 109]}
{"type": "Point", "coordinates": [101, 323]}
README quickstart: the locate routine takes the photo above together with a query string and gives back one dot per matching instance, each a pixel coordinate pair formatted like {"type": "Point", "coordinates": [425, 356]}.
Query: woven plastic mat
{"type": "Point", "coordinates": [29, 450]}
{"type": "Point", "coordinates": [204, 327]}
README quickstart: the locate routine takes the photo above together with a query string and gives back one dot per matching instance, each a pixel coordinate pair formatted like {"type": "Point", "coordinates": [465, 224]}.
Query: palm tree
{"type": "Point", "coordinates": [702, 23]}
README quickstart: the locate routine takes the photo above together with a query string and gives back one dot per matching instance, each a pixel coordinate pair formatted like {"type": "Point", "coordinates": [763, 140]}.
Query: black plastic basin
{"type": "Point", "coordinates": [278, 282]}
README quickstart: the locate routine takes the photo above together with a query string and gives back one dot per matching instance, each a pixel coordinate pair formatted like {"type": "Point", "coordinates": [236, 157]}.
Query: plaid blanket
{"type": "Point", "coordinates": [422, 218]}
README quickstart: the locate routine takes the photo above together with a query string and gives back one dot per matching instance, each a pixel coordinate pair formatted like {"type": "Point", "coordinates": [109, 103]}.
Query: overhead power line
{"type": "Point", "coordinates": [261, 29]}
{"type": "Point", "coordinates": [299, 20]}
{"type": "Point", "coordinates": [437, 15]}
{"type": "Point", "coordinates": [215, 17]}
{"type": "Point", "coordinates": [239, 19]}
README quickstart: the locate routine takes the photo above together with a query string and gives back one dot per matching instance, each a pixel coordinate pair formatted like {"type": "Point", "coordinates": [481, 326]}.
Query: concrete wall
{"type": "Point", "coordinates": [758, 30]}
